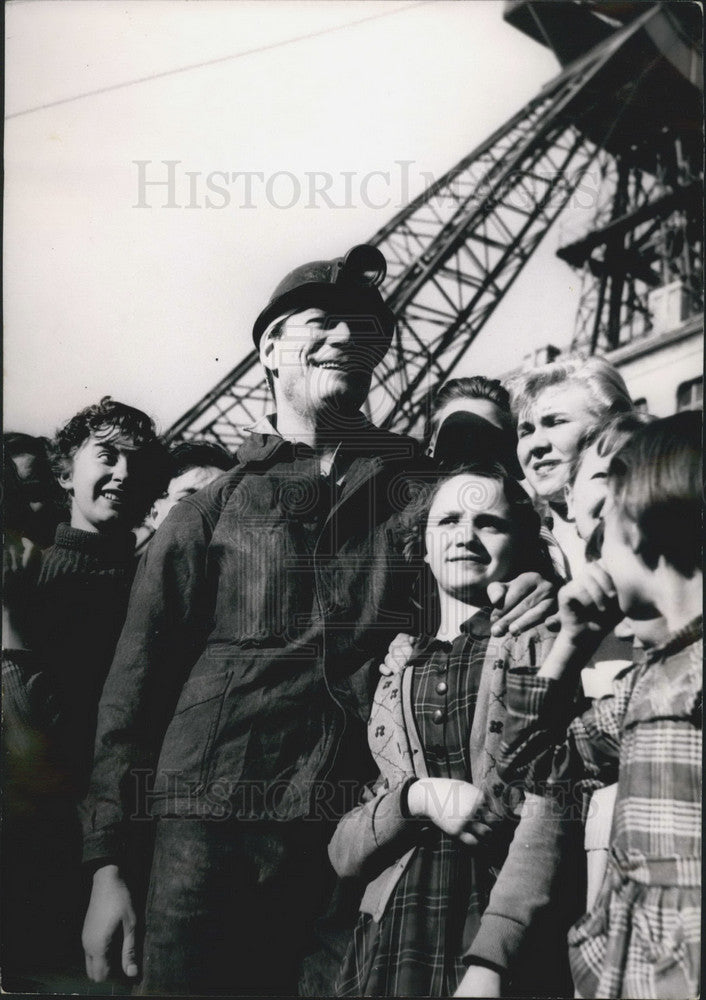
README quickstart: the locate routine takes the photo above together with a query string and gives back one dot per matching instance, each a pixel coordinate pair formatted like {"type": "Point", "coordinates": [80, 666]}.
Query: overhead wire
{"type": "Point", "coordinates": [213, 62]}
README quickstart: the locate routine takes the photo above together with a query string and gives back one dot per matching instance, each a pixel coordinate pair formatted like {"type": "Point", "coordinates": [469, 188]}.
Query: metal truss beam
{"type": "Point", "coordinates": [646, 233]}
{"type": "Point", "coordinates": [455, 251]}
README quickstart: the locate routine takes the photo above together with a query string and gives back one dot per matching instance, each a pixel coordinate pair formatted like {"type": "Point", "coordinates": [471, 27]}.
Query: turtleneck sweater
{"type": "Point", "coordinates": [50, 699]}
{"type": "Point", "coordinates": [78, 612]}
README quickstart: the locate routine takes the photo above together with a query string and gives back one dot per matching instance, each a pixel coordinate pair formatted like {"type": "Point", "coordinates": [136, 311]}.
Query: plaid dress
{"type": "Point", "coordinates": [642, 937]}
{"type": "Point", "coordinates": [435, 910]}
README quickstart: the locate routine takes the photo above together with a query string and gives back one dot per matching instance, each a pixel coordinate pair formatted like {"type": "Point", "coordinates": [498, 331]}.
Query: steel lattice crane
{"type": "Point", "coordinates": [627, 105]}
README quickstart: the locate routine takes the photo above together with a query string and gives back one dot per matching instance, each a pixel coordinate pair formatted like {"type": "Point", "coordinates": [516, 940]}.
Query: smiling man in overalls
{"type": "Point", "coordinates": [259, 601]}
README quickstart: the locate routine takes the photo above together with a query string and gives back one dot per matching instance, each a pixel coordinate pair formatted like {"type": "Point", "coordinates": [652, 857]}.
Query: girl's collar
{"type": "Point", "coordinates": [119, 546]}
{"type": "Point", "coordinates": [476, 625]}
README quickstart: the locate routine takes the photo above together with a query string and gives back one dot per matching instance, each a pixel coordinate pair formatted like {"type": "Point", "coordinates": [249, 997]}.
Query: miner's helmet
{"type": "Point", "coordinates": [346, 287]}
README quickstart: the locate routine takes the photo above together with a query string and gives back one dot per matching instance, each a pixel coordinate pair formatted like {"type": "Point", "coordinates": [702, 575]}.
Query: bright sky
{"type": "Point", "coordinates": [153, 305]}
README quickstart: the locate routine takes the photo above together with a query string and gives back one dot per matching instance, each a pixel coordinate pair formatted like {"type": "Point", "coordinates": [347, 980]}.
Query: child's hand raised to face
{"type": "Point", "coordinates": [588, 607]}
{"type": "Point", "coordinates": [588, 611]}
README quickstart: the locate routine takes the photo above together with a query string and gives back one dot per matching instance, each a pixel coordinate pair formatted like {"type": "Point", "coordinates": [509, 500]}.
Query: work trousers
{"type": "Point", "coordinates": [231, 906]}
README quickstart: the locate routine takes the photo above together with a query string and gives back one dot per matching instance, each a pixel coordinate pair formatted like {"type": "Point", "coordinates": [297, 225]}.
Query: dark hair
{"type": "Point", "coordinates": [472, 387]}
{"type": "Point", "coordinates": [594, 545]}
{"type": "Point", "coordinates": [198, 455]}
{"type": "Point", "coordinates": [608, 438]}
{"type": "Point", "coordinates": [532, 555]}
{"type": "Point", "coordinates": [109, 418]}
{"type": "Point", "coordinates": [655, 480]}
{"type": "Point", "coordinates": [16, 443]}
{"type": "Point", "coordinates": [43, 502]}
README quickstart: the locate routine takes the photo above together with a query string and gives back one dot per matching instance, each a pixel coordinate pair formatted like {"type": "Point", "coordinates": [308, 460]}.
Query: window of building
{"type": "Point", "coordinates": [690, 395]}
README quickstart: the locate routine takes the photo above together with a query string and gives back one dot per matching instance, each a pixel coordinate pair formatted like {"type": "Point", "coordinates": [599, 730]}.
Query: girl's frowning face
{"type": "Point", "coordinates": [470, 536]}
{"type": "Point", "coordinates": [548, 433]}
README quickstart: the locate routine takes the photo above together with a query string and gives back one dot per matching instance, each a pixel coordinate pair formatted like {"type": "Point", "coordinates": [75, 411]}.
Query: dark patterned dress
{"type": "Point", "coordinates": [435, 910]}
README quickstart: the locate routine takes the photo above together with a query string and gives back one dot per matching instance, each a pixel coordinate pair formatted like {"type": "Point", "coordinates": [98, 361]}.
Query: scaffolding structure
{"type": "Point", "coordinates": [455, 251]}
{"type": "Point", "coordinates": [646, 236]}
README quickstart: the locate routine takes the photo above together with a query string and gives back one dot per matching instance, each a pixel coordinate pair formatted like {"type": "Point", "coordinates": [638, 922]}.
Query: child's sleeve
{"type": "Point", "coordinates": [28, 694]}
{"type": "Point", "coordinates": [368, 837]}
{"type": "Point", "coordinates": [546, 749]}
{"type": "Point", "coordinates": [526, 888]}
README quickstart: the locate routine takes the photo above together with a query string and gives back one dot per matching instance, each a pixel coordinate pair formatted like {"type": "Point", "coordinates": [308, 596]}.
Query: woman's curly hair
{"type": "Point", "coordinates": [108, 419]}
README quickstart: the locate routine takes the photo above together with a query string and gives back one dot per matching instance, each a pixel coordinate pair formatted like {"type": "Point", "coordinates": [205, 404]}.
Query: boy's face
{"type": "Point", "coordinates": [185, 485]}
{"type": "Point", "coordinates": [38, 490]}
{"type": "Point", "coordinates": [105, 484]}
{"type": "Point", "coordinates": [586, 495]}
{"type": "Point", "coordinates": [650, 632]}
{"type": "Point", "coordinates": [622, 562]}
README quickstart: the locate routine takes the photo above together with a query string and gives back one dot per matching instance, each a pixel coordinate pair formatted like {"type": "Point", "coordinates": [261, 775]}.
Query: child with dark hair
{"type": "Point", "coordinates": [199, 455]}
{"type": "Point", "coordinates": [460, 871]}
{"type": "Point", "coordinates": [193, 465]}
{"type": "Point", "coordinates": [586, 494]}
{"type": "Point", "coordinates": [37, 489]}
{"type": "Point", "coordinates": [15, 508]}
{"type": "Point", "coordinates": [587, 488]}
{"type": "Point", "coordinates": [642, 936]}
{"type": "Point", "coordinates": [62, 635]}
{"type": "Point", "coordinates": [112, 464]}
{"type": "Point", "coordinates": [456, 391]}
{"type": "Point", "coordinates": [471, 421]}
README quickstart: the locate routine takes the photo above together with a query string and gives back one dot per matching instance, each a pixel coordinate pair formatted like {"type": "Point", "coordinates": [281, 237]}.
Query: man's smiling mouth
{"type": "Point", "coordinates": [337, 365]}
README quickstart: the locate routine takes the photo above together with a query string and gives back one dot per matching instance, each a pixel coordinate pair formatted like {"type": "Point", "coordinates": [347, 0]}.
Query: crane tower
{"type": "Point", "coordinates": [626, 105]}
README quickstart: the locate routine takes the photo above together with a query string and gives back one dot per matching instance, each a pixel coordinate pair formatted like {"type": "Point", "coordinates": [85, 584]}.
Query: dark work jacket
{"type": "Point", "coordinates": [257, 605]}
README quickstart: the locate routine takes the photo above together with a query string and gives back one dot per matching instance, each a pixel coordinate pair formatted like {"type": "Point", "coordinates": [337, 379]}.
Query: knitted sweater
{"type": "Point", "coordinates": [77, 613]}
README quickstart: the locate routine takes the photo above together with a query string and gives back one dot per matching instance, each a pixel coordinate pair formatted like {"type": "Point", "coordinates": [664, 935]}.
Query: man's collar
{"type": "Point", "coordinates": [266, 426]}
{"type": "Point", "coordinates": [358, 437]}
{"type": "Point", "coordinates": [354, 425]}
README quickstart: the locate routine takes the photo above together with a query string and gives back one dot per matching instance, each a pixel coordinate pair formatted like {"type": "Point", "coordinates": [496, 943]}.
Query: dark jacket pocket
{"type": "Point", "coordinates": [190, 735]}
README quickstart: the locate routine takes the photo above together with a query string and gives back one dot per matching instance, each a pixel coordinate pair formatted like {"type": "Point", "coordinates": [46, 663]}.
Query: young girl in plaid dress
{"type": "Point", "coordinates": [642, 937]}
{"type": "Point", "coordinates": [454, 894]}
